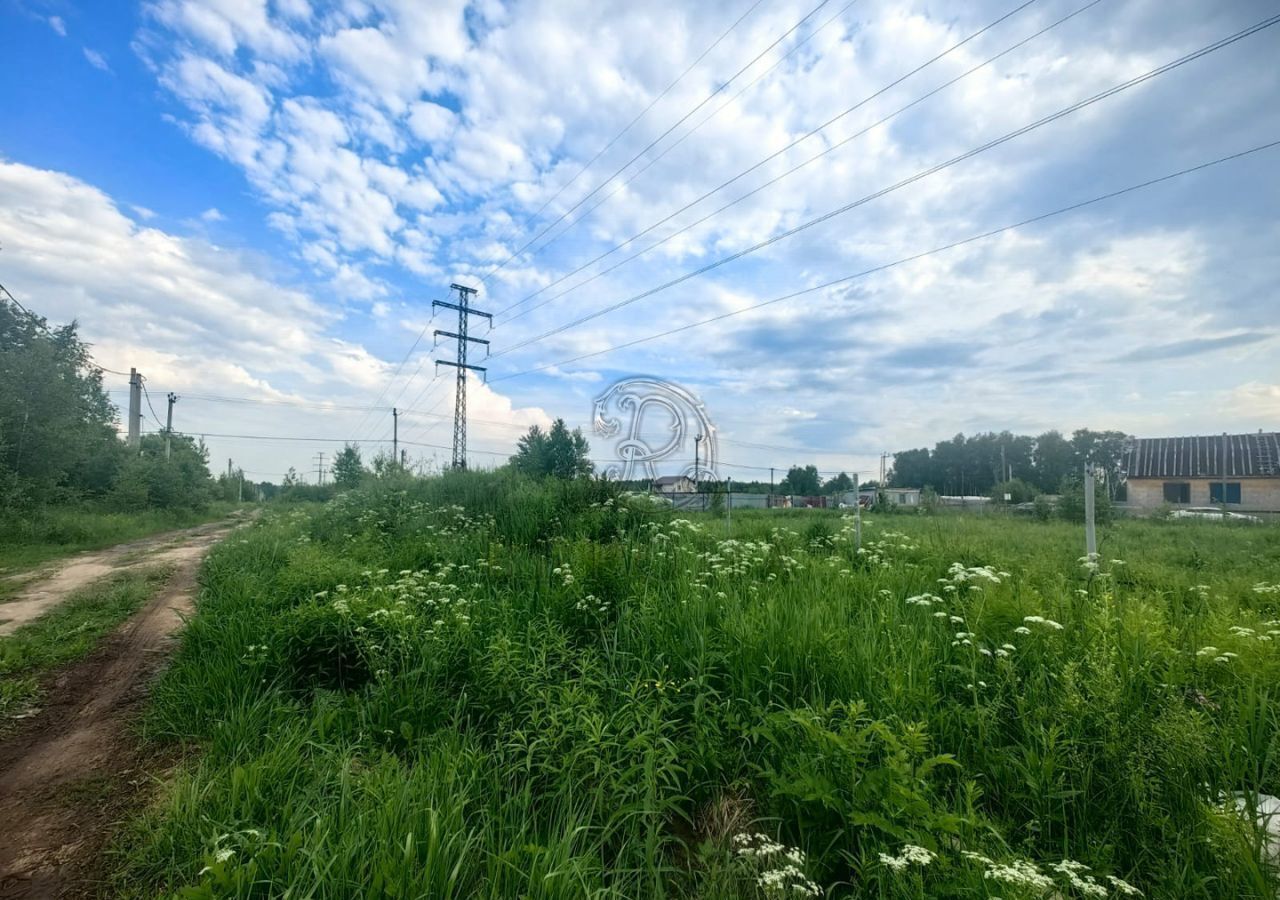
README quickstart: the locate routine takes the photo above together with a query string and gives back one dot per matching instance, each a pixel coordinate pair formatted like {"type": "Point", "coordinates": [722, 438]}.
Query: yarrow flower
{"type": "Point", "coordinates": [909, 855]}
{"type": "Point", "coordinates": [1041, 620]}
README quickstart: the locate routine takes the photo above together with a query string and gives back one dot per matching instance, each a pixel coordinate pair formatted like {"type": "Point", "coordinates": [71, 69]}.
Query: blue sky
{"type": "Point", "coordinates": [256, 199]}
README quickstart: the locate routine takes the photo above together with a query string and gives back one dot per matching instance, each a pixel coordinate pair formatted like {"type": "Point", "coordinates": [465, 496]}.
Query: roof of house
{"type": "Point", "coordinates": [670, 479]}
{"type": "Point", "coordinates": [1246, 456]}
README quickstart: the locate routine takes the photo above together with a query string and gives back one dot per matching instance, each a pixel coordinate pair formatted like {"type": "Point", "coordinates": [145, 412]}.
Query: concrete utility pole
{"type": "Point", "coordinates": [135, 409]}
{"type": "Point", "coordinates": [1225, 447]}
{"type": "Point", "coordinates": [1090, 532]}
{"type": "Point", "coordinates": [395, 433]}
{"type": "Point", "coordinates": [857, 513]}
{"type": "Point", "coordinates": [697, 440]}
{"type": "Point", "coordinates": [168, 428]}
{"type": "Point", "coordinates": [320, 468]}
{"type": "Point", "coordinates": [460, 363]}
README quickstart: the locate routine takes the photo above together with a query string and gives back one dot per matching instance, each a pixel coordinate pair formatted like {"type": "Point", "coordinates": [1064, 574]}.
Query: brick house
{"type": "Point", "coordinates": [1242, 469]}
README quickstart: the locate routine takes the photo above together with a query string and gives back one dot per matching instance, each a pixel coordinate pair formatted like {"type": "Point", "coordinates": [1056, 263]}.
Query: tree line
{"type": "Point", "coordinates": [977, 464]}
{"type": "Point", "coordinates": [58, 436]}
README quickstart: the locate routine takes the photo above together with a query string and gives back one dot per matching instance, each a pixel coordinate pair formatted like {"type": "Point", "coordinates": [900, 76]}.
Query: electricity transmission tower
{"type": "Point", "coordinates": [460, 363]}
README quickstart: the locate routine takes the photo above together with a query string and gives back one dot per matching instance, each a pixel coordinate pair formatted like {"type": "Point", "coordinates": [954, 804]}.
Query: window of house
{"type": "Point", "coordinates": [1177, 492]}
{"type": "Point", "coordinates": [1233, 492]}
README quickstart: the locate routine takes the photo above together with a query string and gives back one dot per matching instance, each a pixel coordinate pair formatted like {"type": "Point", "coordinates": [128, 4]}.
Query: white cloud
{"type": "Point", "coordinates": [198, 319]}
{"type": "Point", "coordinates": [56, 23]}
{"type": "Point", "coordinates": [399, 143]}
{"type": "Point", "coordinates": [431, 122]}
{"type": "Point", "coordinates": [96, 59]}
{"type": "Point", "coordinates": [213, 214]}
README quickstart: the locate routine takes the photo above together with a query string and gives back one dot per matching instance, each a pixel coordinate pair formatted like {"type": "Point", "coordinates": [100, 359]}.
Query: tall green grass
{"type": "Point", "coordinates": [483, 686]}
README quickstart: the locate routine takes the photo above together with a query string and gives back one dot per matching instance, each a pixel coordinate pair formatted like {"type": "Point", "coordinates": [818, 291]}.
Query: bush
{"type": "Point", "coordinates": [1071, 501]}
{"type": "Point", "coordinates": [1018, 490]}
{"type": "Point", "coordinates": [1043, 507]}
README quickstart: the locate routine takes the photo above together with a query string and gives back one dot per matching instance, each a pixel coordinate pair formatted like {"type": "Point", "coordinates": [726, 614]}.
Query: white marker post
{"type": "Point", "coordinates": [1090, 532]}
{"type": "Point", "coordinates": [857, 514]}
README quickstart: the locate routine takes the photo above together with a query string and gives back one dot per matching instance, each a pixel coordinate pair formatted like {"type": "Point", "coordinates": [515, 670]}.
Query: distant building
{"type": "Point", "coordinates": [901, 496]}
{"type": "Point", "coordinates": [674, 484]}
{"type": "Point", "coordinates": [1242, 470]}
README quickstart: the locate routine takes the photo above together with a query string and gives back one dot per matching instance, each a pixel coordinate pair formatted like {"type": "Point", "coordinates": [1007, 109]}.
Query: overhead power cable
{"type": "Point", "coordinates": [684, 137]}
{"type": "Point", "coordinates": [626, 128]}
{"type": "Point", "coordinates": [791, 171]}
{"type": "Point", "coordinates": [655, 141]}
{"type": "Point", "coordinates": [898, 262]}
{"type": "Point", "coordinates": [39, 323]}
{"type": "Point", "coordinates": [791, 232]}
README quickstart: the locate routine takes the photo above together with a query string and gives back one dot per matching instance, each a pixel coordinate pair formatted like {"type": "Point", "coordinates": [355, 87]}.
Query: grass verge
{"type": "Point", "coordinates": [66, 633]}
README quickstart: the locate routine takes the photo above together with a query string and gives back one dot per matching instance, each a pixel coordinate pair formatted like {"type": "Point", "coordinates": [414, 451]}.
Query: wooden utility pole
{"type": "Point", "coordinates": [319, 468]}
{"type": "Point", "coordinates": [135, 409]}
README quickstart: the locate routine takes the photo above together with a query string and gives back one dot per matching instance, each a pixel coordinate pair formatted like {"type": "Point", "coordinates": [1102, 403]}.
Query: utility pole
{"type": "Point", "coordinates": [697, 440]}
{"type": "Point", "coordinates": [1004, 469]}
{"type": "Point", "coordinates": [319, 468]}
{"type": "Point", "coordinates": [460, 363]}
{"type": "Point", "coordinates": [135, 409]}
{"type": "Point", "coordinates": [857, 514]}
{"type": "Point", "coordinates": [168, 428]}
{"type": "Point", "coordinates": [228, 468]}
{"type": "Point", "coordinates": [395, 433]}
{"type": "Point", "coordinates": [1225, 446]}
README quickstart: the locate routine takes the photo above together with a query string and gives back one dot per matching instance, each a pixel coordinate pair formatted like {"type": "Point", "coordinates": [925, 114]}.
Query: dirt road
{"type": "Point", "coordinates": [76, 768]}
{"type": "Point", "coordinates": [48, 586]}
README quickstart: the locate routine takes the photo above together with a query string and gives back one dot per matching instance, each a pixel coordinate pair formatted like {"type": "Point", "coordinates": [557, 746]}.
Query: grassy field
{"type": "Point", "coordinates": [477, 686]}
{"type": "Point", "coordinates": [66, 633]}
{"type": "Point", "coordinates": [29, 539]}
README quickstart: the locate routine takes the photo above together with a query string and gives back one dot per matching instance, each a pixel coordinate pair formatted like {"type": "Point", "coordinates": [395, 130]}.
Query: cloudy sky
{"type": "Point", "coordinates": [255, 203]}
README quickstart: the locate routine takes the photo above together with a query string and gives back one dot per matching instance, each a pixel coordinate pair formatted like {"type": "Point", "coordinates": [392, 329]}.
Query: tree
{"type": "Point", "coordinates": [559, 453]}
{"type": "Point", "coordinates": [1053, 459]}
{"type": "Point", "coordinates": [348, 468]}
{"type": "Point", "coordinates": [1105, 450]}
{"type": "Point", "coordinates": [57, 426]}
{"type": "Point", "coordinates": [839, 485]}
{"type": "Point", "coordinates": [803, 481]}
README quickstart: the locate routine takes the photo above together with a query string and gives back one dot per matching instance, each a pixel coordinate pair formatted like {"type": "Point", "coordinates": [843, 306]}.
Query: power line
{"type": "Point", "coordinates": [589, 163]}
{"type": "Point", "coordinates": [676, 143]}
{"type": "Point", "coordinates": [147, 394]}
{"type": "Point", "coordinates": [38, 321]}
{"type": "Point", "coordinates": [655, 141]}
{"type": "Point", "coordinates": [899, 262]}
{"type": "Point", "coordinates": [772, 181]}
{"type": "Point", "coordinates": [1065, 111]}
{"type": "Point", "coordinates": [617, 137]}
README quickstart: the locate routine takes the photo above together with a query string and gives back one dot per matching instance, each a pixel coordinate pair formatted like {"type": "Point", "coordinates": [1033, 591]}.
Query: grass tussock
{"type": "Point", "coordinates": [484, 686]}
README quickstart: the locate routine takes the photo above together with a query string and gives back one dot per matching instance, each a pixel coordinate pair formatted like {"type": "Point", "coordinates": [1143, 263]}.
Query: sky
{"type": "Point", "coordinates": [256, 202]}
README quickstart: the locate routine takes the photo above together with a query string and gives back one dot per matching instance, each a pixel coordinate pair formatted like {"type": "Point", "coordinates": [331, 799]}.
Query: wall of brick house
{"type": "Point", "coordinates": [1260, 494]}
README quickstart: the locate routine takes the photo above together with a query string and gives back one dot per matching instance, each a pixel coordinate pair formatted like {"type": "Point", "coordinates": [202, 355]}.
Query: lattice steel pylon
{"type": "Point", "coordinates": [460, 363]}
